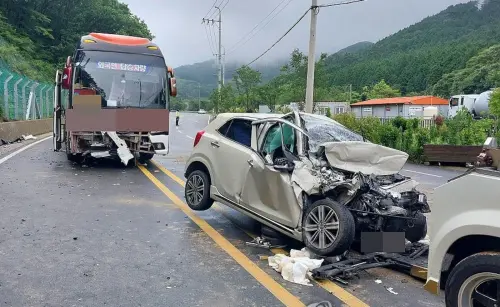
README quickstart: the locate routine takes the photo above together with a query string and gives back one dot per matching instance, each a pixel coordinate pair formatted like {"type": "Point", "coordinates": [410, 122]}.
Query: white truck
{"type": "Point", "coordinates": [476, 104]}
{"type": "Point", "coordinates": [464, 231]}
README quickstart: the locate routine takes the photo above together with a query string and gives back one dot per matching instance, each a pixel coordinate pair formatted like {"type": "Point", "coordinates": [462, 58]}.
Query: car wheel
{"type": "Point", "coordinates": [328, 228]}
{"type": "Point", "coordinates": [197, 191]}
{"type": "Point", "coordinates": [418, 231]}
{"type": "Point", "coordinates": [474, 281]}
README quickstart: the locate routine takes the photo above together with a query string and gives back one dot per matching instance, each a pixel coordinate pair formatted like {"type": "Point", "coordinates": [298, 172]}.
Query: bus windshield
{"type": "Point", "coordinates": [123, 80]}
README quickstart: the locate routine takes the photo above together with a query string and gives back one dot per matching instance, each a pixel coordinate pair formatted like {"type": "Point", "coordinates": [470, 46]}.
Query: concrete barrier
{"type": "Point", "coordinates": [11, 131]}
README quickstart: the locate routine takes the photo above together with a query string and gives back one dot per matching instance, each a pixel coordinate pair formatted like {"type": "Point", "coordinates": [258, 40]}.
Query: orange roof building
{"type": "Point", "coordinates": [399, 106]}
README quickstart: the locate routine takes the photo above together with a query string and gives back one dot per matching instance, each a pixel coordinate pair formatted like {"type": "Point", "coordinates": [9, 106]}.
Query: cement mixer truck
{"type": "Point", "coordinates": [477, 105]}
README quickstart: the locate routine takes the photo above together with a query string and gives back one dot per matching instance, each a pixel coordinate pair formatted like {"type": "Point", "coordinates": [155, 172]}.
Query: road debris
{"type": "Point", "coordinates": [262, 243]}
{"type": "Point", "coordinates": [390, 289]}
{"type": "Point", "coordinates": [295, 268]}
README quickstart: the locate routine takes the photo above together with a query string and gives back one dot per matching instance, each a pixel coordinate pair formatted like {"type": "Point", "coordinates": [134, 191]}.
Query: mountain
{"type": "Point", "coordinates": [35, 39]}
{"type": "Point", "coordinates": [205, 73]}
{"type": "Point", "coordinates": [415, 58]}
{"type": "Point", "coordinates": [355, 48]}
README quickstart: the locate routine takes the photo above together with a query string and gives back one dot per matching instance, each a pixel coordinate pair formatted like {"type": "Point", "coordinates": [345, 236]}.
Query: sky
{"type": "Point", "coordinates": [178, 29]}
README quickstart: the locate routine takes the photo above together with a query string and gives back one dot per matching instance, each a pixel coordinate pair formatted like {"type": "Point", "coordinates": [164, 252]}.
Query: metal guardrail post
{"type": "Point", "coordinates": [6, 97]}
{"type": "Point", "coordinates": [31, 101]}
{"type": "Point", "coordinates": [25, 99]}
{"type": "Point", "coordinates": [41, 106]}
{"type": "Point", "coordinates": [16, 98]}
{"type": "Point", "coordinates": [47, 101]}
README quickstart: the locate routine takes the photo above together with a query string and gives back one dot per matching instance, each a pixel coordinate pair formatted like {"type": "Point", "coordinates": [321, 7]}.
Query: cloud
{"type": "Point", "coordinates": [183, 38]}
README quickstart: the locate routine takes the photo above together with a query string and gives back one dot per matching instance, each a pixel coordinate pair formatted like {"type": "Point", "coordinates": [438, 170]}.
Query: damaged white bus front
{"type": "Point", "coordinates": [118, 98]}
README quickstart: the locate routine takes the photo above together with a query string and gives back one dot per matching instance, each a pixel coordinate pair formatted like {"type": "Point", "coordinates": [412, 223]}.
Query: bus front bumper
{"type": "Point", "coordinates": [160, 143]}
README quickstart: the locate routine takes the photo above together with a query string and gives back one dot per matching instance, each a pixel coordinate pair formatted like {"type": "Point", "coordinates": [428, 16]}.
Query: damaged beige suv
{"type": "Point", "coordinates": [306, 176]}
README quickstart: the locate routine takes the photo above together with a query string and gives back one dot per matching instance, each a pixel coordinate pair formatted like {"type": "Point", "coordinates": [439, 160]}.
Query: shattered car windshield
{"type": "Point", "coordinates": [322, 129]}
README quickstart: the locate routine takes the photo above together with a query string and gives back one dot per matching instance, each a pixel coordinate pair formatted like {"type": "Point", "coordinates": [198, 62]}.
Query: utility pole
{"type": "Point", "coordinates": [219, 55]}
{"type": "Point", "coordinates": [199, 96]}
{"type": "Point", "coordinates": [311, 60]}
{"type": "Point", "coordinates": [350, 93]}
{"type": "Point", "coordinates": [223, 66]}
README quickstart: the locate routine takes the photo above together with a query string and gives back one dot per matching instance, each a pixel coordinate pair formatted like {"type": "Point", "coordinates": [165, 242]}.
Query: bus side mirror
{"type": "Point", "coordinates": [66, 77]}
{"type": "Point", "coordinates": [170, 72]}
{"type": "Point", "coordinates": [173, 87]}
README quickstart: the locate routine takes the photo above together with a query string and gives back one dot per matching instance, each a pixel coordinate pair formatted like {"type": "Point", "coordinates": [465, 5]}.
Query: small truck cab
{"type": "Point", "coordinates": [464, 231]}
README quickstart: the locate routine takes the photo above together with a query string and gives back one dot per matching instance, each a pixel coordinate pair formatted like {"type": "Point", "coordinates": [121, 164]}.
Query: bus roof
{"type": "Point", "coordinates": [118, 43]}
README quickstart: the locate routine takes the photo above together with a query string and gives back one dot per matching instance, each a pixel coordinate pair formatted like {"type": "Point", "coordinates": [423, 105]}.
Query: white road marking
{"type": "Point", "coordinates": [426, 174]}
{"type": "Point", "coordinates": [192, 138]}
{"type": "Point", "coordinates": [4, 159]}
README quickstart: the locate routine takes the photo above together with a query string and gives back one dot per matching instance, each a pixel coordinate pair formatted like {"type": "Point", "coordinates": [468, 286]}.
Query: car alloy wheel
{"type": "Point", "coordinates": [194, 190]}
{"type": "Point", "coordinates": [480, 290]}
{"type": "Point", "coordinates": [322, 226]}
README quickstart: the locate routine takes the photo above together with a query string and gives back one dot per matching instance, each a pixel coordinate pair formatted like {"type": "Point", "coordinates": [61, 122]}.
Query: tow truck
{"type": "Point", "coordinates": [118, 90]}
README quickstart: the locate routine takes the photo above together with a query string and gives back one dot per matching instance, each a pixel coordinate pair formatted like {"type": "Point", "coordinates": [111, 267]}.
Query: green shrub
{"type": "Point", "coordinates": [407, 134]}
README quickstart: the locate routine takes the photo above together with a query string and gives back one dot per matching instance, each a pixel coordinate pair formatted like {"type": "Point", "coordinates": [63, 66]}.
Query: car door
{"type": "Point", "coordinates": [268, 191]}
{"type": "Point", "coordinates": [232, 152]}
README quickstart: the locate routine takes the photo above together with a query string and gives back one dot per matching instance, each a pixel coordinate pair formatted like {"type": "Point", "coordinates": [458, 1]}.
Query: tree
{"type": "Point", "coordinates": [380, 90]}
{"type": "Point", "coordinates": [246, 80]}
{"type": "Point", "coordinates": [270, 93]}
{"type": "Point", "coordinates": [224, 99]}
{"type": "Point", "coordinates": [494, 103]}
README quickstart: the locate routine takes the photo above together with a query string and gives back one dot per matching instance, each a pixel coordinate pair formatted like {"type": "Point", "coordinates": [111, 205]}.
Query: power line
{"type": "Point", "coordinates": [209, 38]}
{"type": "Point", "coordinates": [286, 33]}
{"type": "Point", "coordinates": [213, 5]}
{"type": "Point", "coordinates": [214, 14]}
{"type": "Point", "coordinates": [340, 3]}
{"type": "Point", "coordinates": [256, 26]}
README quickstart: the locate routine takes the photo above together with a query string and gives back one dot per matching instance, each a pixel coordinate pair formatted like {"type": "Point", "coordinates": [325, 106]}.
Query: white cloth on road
{"type": "Point", "coordinates": [296, 267]}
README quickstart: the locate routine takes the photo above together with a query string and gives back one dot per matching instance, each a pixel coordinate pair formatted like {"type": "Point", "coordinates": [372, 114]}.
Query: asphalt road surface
{"type": "Point", "coordinates": [107, 235]}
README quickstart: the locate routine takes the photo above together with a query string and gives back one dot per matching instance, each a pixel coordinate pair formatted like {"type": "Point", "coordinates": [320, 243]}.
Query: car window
{"type": "Point", "coordinates": [223, 129]}
{"type": "Point", "coordinates": [272, 140]}
{"type": "Point", "coordinates": [238, 130]}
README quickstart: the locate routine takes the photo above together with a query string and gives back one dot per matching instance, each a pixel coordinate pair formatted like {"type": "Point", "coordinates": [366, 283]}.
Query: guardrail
{"type": "Point", "coordinates": [22, 98]}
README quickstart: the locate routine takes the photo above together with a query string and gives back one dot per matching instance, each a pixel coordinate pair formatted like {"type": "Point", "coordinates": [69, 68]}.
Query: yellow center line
{"type": "Point", "coordinates": [267, 281]}
{"type": "Point", "coordinates": [328, 285]}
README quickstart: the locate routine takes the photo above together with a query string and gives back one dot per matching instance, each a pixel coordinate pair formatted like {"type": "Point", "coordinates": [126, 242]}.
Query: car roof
{"type": "Point", "coordinates": [227, 116]}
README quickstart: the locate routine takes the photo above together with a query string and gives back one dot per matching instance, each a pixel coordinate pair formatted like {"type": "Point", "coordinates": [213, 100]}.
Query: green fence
{"type": "Point", "coordinates": [22, 98]}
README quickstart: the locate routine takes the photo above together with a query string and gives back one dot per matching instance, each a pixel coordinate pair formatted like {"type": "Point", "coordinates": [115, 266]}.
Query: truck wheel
{"type": "Point", "coordinates": [474, 281]}
{"type": "Point", "coordinates": [197, 191]}
{"type": "Point", "coordinates": [419, 229]}
{"type": "Point", "coordinates": [328, 228]}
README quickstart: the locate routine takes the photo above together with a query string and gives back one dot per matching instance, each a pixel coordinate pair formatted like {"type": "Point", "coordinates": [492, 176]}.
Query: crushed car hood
{"type": "Point", "coordinates": [363, 157]}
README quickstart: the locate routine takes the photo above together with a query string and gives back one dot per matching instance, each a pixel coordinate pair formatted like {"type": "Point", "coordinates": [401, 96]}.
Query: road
{"type": "Point", "coordinates": [104, 234]}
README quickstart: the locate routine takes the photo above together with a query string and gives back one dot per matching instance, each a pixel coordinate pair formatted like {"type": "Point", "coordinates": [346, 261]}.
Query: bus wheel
{"type": "Point", "coordinates": [145, 157]}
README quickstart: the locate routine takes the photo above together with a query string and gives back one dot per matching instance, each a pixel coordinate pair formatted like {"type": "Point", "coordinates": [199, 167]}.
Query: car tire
{"type": "Point", "coordinates": [419, 229]}
{"type": "Point", "coordinates": [343, 235]}
{"type": "Point", "coordinates": [469, 272]}
{"type": "Point", "coordinates": [194, 200]}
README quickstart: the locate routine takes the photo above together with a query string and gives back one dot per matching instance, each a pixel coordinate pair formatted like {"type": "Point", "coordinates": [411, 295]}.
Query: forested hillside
{"type": "Point", "coordinates": [205, 73]}
{"type": "Point", "coordinates": [416, 58]}
{"type": "Point", "coordinates": [37, 35]}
